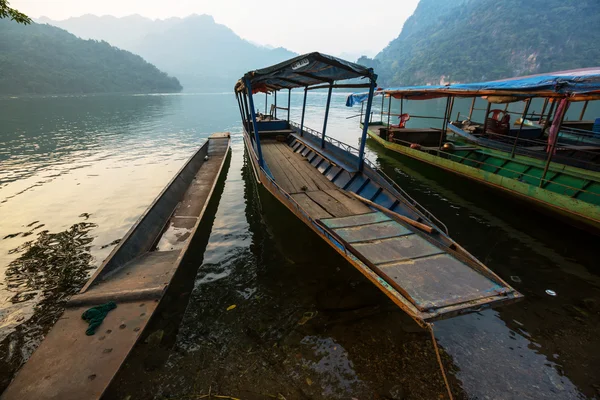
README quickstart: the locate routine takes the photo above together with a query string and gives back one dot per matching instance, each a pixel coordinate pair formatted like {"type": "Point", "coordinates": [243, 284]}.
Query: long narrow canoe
{"type": "Point", "coordinates": [71, 365]}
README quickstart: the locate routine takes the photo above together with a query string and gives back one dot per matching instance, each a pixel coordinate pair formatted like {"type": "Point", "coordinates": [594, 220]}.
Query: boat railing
{"type": "Point", "coordinates": [353, 150]}
{"type": "Point", "coordinates": [542, 183]}
{"type": "Point", "coordinates": [536, 148]}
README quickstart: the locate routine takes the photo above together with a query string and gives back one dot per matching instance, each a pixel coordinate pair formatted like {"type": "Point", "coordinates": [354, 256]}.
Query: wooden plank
{"type": "Point", "coordinates": [440, 280]}
{"type": "Point", "coordinates": [278, 174]}
{"type": "Point", "coordinates": [397, 249]}
{"type": "Point", "coordinates": [310, 206]}
{"type": "Point", "coordinates": [355, 206]}
{"type": "Point", "coordinates": [329, 203]}
{"type": "Point", "coordinates": [395, 215]}
{"type": "Point", "coordinates": [301, 181]}
{"type": "Point", "coordinates": [298, 183]}
{"type": "Point", "coordinates": [382, 230]}
{"type": "Point", "coordinates": [355, 220]}
{"type": "Point", "coordinates": [304, 168]}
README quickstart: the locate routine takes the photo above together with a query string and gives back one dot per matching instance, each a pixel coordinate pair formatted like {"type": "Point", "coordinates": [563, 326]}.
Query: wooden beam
{"type": "Point", "coordinates": [395, 215]}
{"type": "Point", "coordinates": [347, 85]}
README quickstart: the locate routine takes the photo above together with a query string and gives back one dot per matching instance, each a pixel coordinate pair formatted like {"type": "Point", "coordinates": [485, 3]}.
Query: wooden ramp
{"type": "Point", "coordinates": [428, 276]}
{"type": "Point", "coordinates": [71, 365]}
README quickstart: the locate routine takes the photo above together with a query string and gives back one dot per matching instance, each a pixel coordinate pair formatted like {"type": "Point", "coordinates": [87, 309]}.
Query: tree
{"type": "Point", "coordinates": [15, 15]}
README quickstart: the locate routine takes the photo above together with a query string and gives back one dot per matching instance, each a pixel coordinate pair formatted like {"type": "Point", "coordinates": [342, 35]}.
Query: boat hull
{"type": "Point", "coordinates": [577, 212]}
{"type": "Point", "coordinates": [420, 316]}
{"type": "Point", "coordinates": [71, 365]}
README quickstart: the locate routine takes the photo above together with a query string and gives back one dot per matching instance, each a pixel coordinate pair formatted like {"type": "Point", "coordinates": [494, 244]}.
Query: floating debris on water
{"type": "Point", "coordinates": [550, 292]}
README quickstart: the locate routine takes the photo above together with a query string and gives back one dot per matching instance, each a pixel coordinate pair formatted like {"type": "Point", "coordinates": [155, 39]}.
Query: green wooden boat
{"type": "Point", "coordinates": [564, 189]}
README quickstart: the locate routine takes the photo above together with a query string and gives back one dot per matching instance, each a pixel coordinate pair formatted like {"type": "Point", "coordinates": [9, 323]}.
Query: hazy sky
{"type": "Point", "coordinates": [333, 26]}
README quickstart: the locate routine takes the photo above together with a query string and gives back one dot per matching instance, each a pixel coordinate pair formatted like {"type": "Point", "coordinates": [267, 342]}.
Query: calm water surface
{"type": "Point", "coordinates": [76, 173]}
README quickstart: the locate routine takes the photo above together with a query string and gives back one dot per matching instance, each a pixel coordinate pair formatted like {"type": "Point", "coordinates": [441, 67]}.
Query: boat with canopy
{"type": "Point", "coordinates": [543, 158]}
{"type": "Point", "coordinates": [351, 204]}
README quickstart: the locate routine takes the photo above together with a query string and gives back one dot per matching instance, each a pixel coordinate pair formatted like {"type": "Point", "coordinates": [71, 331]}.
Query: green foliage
{"type": "Point", "coordinates": [7, 12]}
{"type": "Point", "coordinates": [41, 59]}
{"type": "Point", "coordinates": [473, 40]}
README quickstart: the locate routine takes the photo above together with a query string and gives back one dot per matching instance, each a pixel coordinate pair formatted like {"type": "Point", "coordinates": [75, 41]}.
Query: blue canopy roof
{"type": "Point", "coordinates": [302, 71]}
{"type": "Point", "coordinates": [555, 84]}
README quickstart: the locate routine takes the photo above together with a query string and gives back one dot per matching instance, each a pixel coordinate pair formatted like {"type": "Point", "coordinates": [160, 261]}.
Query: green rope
{"type": "Point", "coordinates": [95, 315]}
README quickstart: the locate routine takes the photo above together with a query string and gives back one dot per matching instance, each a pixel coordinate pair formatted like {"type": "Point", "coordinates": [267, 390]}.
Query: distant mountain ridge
{"type": "Point", "coordinates": [42, 59]}
{"type": "Point", "coordinates": [473, 40]}
{"type": "Point", "coordinates": [204, 55]}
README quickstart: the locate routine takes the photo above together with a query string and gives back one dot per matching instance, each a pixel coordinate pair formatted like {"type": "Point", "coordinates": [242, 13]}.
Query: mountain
{"type": "Point", "coordinates": [473, 40]}
{"type": "Point", "coordinates": [42, 59]}
{"type": "Point", "coordinates": [204, 55]}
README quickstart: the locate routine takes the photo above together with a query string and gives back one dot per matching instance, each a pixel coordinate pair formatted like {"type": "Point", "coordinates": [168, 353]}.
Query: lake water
{"type": "Point", "coordinates": [76, 172]}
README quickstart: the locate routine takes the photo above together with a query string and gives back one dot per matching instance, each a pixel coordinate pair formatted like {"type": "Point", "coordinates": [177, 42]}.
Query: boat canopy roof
{"type": "Point", "coordinates": [580, 84]}
{"type": "Point", "coordinates": [303, 71]}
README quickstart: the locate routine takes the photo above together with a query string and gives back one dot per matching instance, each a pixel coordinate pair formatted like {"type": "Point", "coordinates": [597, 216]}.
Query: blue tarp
{"type": "Point", "coordinates": [305, 70]}
{"type": "Point", "coordinates": [575, 82]}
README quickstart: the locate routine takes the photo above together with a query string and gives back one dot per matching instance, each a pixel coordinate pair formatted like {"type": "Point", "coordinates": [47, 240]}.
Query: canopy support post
{"type": "Point", "coordinates": [289, 99]}
{"type": "Point", "coordinates": [361, 112]}
{"type": "Point", "coordinates": [389, 111]}
{"type": "Point", "coordinates": [275, 113]}
{"type": "Point", "coordinates": [444, 123]}
{"type": "Point", "coordinates": [266, 102]}
{"type": "Point", "coordinates": [326, 115]}
{"type": "Point", "coordinates": [472, 108]}
{"type": "Point", "coordinates": [487, 112]}
{"type": "Point", "coordinates": [561, 111]}
{"type": "Point", "coordinates": [382, 100]}
{"type": "Point", "coordinates": [401, 106]}
{"type": "Point", "coordinates": [246, 109]}
{"type": "Point", "coordinates": [525, 111]}
{"type": "Point", "coordinates": [363, 139]}
{"type": "Point", "coordinates": [547, 121]}
{"type": "Point", "coordinates": [544, 107]}
{"type": "Point", "coordinates": [237, 97]}
{"type": "Point", "coordinates": [583, 110]}
{"type": "Point", "coordinates": [254, 124]}
{"type": "Point", "coordinates": [303, 111]}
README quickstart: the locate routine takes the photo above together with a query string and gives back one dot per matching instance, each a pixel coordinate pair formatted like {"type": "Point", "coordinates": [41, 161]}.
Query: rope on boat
{"type": "Point", "coordinates": [439, 359]}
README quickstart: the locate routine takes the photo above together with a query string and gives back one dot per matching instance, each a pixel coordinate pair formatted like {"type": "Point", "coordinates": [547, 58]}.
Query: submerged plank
{"type": "Point", "coordinates": [440, 280]}
{"type": "Point", "coordinates": [71, 365]}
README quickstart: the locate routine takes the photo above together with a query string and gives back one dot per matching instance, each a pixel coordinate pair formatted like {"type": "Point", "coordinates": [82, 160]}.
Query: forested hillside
{"type": "Point", "coordinates": [471, 40]}
{"type": "Point", "coordinates": [204, 55]}
{"type": "Point", "coordinates": [42, 59]}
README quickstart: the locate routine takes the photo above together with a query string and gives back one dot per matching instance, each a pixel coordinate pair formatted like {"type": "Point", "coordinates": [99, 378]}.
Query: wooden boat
{"type": "Point", "coordinates": [538, 173]}
{"type": "Point", "coordinates": [68, 364]}
{"type": "Point", "coordinates": [361, 213]}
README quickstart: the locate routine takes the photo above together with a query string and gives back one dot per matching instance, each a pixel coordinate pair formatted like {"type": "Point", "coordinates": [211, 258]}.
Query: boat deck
{"type": "Point", "coordinates": [71, 365]}
{"type": "Point", "coordinates": [316, 194]}
{"type": "Point", "coordinates": [419, 273]}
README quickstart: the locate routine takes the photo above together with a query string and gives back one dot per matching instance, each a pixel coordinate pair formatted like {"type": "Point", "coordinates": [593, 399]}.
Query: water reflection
{"type": "Point", "coordinates": [46, 273]}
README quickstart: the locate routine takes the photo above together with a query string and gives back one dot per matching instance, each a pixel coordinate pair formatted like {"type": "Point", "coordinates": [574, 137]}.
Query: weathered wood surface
{"type": "Point", "coordinates": [316, 194]}
{"type": "Point", "coordinates": [428, 276]}
{"type": "Point", "coordinates": [70, 365]}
